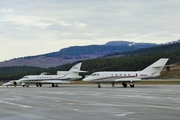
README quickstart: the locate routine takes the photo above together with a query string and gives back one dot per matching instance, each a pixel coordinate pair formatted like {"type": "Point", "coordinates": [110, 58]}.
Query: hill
{"type": "Point", "coordinates": [75, 53]}
{"type": "Point", "coordinates": [164, 48]}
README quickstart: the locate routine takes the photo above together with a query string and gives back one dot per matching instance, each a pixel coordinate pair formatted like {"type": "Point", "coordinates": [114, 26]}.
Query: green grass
{"type": "Point", "coordinates": [174, 73]}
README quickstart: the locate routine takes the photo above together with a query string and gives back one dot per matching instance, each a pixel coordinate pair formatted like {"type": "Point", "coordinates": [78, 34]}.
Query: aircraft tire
{"type": "Point", "coordinates": [132, 85]}
{"type": "Point", "coordinates": [124, 85]}
{"type": "Point", "coordinates": [113, 84]}
{"type": "Point", "coordinates": [99, 85]}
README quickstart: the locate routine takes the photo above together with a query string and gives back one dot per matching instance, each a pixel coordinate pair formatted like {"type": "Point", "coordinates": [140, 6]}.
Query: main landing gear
{"type": "Point", "coordinates": [125, 85]}
{"type": "Point", "coordinates": [113, 84]}
{"type": "Point", "coordinates": [132, 85]}
{"type": "Point", "coordinates": [38, 84]}
{"type": "Point", "coordinates": [54, 85]}
{"type": "Point", "coordinates": [25, 85]}
{"type": "Point", "coordinates": [99, 85]}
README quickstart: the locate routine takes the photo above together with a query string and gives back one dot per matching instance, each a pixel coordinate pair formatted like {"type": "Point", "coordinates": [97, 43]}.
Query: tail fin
{"type": "Point", "coordinates": [76, 68]}
{"type": "Point", "coordinates": [74, 72]}
{"type": "Point", "coordinates": [156, 67]}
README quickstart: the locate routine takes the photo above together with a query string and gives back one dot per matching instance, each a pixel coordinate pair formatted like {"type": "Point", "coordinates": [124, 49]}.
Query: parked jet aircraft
{"type": "Point", "coordinates": [127, 76]}
{"type": "Point", "coordinates": [10, 83]}
{"type": "Point", "coordinates": [43, 78]}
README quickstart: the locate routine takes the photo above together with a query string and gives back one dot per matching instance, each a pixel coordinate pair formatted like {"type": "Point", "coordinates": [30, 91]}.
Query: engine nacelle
{"type": "Point", "coordinates": [15, 83]}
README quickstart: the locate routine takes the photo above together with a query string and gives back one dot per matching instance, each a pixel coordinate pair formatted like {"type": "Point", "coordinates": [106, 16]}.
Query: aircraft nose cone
{"type": "Point", "coordinates": [85, 79]}
{"type": "Point", "coordinates": [5, 84]}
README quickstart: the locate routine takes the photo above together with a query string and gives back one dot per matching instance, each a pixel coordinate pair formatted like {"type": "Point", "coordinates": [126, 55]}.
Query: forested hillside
{"type": "Point", "coordinates": [17, 72]}
{"type": "Point", "coordinates": [129, 63]}
{"type": "Point", "coordinates": [163, 49]}
{"type": "Point", "coordinates": [14, 73]}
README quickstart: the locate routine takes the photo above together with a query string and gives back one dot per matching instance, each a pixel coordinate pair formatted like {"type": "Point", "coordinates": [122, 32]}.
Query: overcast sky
{"type": "Point", "coordinates": [32, 27]}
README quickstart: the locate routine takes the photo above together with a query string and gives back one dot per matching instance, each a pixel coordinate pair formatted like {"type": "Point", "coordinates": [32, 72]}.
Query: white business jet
{"type": "Point", "coordinates": [127, 76]}
{"type": "Point", "coordinates": [43, 78]}
{"type": "Point", "coordinates": [10, 83]}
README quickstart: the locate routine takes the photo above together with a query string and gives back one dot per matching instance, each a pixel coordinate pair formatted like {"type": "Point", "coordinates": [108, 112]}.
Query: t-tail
{"type": "Point", "coordinates": [76, 68]}
{"type": "Point", "coordinates": [73, 73]}
{"type": "Point", "coordinates": [155, 68]}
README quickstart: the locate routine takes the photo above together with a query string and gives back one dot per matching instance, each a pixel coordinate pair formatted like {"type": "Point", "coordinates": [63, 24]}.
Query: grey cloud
{"type": "Point", "coordinates": [101, 18]}
{"type": "Point", "coordinates": [81, 21]}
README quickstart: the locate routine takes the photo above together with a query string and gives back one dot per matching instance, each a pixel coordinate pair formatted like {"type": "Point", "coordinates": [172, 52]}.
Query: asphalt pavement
{"type": "Point", "coordinates": [87, 102]}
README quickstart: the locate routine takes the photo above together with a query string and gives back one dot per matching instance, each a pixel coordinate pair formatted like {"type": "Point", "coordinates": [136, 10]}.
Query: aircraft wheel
{"type": "Point", "coordinates": [40, 85]}
{"type": "Point", "coordinates": [99, 85]}
{"type": "Point", "coordinates": [37, 85]}
{"type": "Point", "coordinates": [124, 85]}
{"type": "Point", "coordinates": [113, 84]}
{"type": "Point", "coordinates": [132, 85]}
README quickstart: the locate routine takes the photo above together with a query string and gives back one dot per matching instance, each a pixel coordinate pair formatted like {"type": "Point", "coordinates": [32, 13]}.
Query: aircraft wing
{"type": "Point", "coordinates": [127, 79]}
{"type": "Point", "coordinates": [54, 81]}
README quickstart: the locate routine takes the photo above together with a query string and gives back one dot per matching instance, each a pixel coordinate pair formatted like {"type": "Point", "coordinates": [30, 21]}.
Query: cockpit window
{"type": "Point", "coordinates": [25, 77]}
{"type": "Point", "coordinates": [95, 74]}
